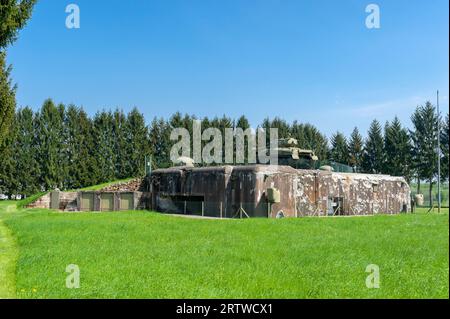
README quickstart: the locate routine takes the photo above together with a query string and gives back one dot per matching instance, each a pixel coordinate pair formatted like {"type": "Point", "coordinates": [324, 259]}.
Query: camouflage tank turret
{"type": "Point", "coordinates": [291, 155]}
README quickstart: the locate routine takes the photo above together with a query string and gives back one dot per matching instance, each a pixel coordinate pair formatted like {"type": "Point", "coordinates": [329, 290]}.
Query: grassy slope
{"type": "Point", "coordinates": [100, 186]}
{"type": "Point", "coordinates": [147, 255]}
{"type": "Point", "coordinates": [26, 201]}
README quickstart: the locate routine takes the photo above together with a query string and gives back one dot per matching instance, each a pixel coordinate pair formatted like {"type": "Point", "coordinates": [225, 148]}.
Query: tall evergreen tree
{"type": "Point", "coordinates": [104, 151]}
{"type": "Point", "coordinates": [178, 121]}
{"type": "Point", "coordinates": [356, 150]}
{"type": "Point", "coordinates": [297, 132]}
{"type": "Point", "coordinates": [445, 148]}
{"type": "Point", "coordinates": [63, 159]}
{"type": "Point", "coordinates": [9, 183]}
{"type": "Point", "coordinates": [25, 153]}
{"type": "Point", "coordinates": [78, 148]}
{"type": "Point", "coordinates": [188, 124]}
{"type": "Point", "coordinates": [223, 124]}
{"type": "Point", "coordinates": [339, 149]}
{"type": "Point", "coordinates": [49, 141]}
{"type": "Point", "coordinates": [160, 143]}
{"type": "Point", "coordinates": [122, 136]}
{"type": "Point", "coordinates": [316, 141]}
{"type": "Point", "coordinates": [7, 98]}
{"type": "Point", "coordinates": [397, 146]}
{"type": "Point", "coordinates": [243, 124]}
{"type": "Point", "coordinates": [424, 138]}
{"type": "Point", "coordinates": [373, 158]}
{"type": "Point", "coordinates": [13, 17]}
{"type": "Point", "coordinates": [207, 123]}
{"type": "Point", "coordinates": [417, 159]}
{"type": "Point", "coordinates": [284, 130]}
{"type": "Point", "coordinates": [137, 141]}
{"type": "Point", "coordinates": [87, 167]}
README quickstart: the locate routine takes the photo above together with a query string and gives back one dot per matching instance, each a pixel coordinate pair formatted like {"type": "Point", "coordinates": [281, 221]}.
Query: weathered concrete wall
{"type": "Point", "coordinates": [232, 191]}
{"type": "Point", "coordinates": [41, 202]}
{"type": "Point", "coordinates": [361, 194]}
{"type": "Point", "coordinates": [250, 184]}
{"type": "Point", "coordinates": [225, 190]}
{"type": "Point", "coordinates": [71, 201]}
{"type": "Point", "coordinates": [180, 190]}
{"type": "Point", "coordinates": [67, 201]}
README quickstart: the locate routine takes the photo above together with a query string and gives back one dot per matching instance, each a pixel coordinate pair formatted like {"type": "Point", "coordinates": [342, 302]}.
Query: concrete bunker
{"type": "Point", "coordinates": [264, 191]}
{"type": "Point", "coordinates": [293, 189]}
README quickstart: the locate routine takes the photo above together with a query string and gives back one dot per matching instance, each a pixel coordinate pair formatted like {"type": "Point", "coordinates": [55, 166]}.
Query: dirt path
{"type": "Point", "coordinates": [8, 255]}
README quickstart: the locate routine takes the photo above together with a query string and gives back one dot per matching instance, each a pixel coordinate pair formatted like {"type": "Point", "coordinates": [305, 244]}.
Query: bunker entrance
{"type": "Point", "coordinates": [336, 206]}
{"type": "Point", "coordinates": [87, 202]}
{"type": "Point", "coordinates": [126, 201]}
{"type": "Point", "coordinates": [188, 205]}
{"type": "Point", "coordinates": [107, 202]}
{"type": "Point", "coordinates": [191, 205]}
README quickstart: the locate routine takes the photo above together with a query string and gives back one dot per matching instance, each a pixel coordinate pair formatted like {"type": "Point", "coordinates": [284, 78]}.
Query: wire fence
{"type": "Point", "coordinates": [219, 209]}
{"type": "Point", "coordinates": [424, 190]}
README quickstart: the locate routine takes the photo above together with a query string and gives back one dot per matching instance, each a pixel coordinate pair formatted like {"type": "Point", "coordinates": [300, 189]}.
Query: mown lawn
{"type": "Point", "coordinates": [148, 255]}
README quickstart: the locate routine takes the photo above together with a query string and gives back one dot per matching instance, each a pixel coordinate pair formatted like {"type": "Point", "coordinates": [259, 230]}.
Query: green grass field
{"type": "Point", "coordinates": [148, 255]}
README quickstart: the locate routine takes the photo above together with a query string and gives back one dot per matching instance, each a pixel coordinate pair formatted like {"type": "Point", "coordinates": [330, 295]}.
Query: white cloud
{"type": "Point", "coordinates": [380, 109]}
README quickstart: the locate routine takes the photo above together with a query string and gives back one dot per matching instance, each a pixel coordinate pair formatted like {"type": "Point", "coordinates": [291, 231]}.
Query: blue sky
{"type": "Point", "coordinates": [307, 60]}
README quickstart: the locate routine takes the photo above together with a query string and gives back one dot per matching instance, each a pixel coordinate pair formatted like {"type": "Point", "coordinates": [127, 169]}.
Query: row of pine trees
{"type": "Point", "coordinates": [396, 150]}
{"type": "Point", "coordinates": [63, 147]}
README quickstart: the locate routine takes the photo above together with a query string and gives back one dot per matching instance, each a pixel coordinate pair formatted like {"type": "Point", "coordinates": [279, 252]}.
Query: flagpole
{"type": "Point", "coordinates": [439, 154]}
